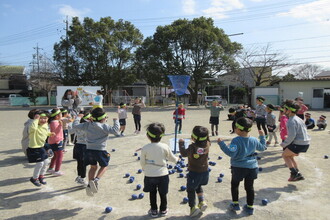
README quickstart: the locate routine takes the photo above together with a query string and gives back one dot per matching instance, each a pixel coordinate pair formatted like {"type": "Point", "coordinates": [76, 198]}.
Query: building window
{"type": "Point", "coordinates": [317, 93]}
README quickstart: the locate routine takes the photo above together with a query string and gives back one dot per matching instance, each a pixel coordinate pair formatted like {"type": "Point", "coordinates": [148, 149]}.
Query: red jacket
{"type": "Point", "coordinates": [181, 113]}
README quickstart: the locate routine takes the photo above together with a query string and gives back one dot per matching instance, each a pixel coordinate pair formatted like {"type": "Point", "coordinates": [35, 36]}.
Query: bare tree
{"type": "Point", "coordinates": [43, 75]}
{"type": "Point", "coordinates": [306, 71]}
{"type": "Point", "coordinates": [259, 64]}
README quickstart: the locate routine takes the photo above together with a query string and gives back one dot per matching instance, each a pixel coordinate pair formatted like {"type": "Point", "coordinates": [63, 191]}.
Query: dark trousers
{"type": "Point", "coordinates": [261, 122]}
{"type": "Point", "coordinates": [137, 122]}
{"type": "Point", "coordinates": [153, 201]}
{"type": "Point", "coordinates": [248, 186]}
{"type": "Point", "coordinates": [154, 185]}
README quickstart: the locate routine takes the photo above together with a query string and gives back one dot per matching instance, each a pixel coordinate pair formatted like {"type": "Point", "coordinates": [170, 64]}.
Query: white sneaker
{"type": "Point", "coordinates": [50, 171]}
{"type": "Point", "coordinates": [137, 132]}
{"type": "Point", "coordinates": [58, 173]}
{"type": "Point", "coordinates": [89, 191]}
{"type": "Point", "coordinates": [93, 185]}
{"type": "Point", "coordinates": [81, 181]}
{"type": "Point", "coordinates": [77, 179]}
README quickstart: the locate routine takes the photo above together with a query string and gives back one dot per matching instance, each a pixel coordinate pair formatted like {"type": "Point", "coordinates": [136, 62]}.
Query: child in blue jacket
{"type": "Point", "coordinates": [243, 161]}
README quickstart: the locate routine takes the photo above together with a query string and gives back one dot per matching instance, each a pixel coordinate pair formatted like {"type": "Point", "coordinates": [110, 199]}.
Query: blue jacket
{"type": "Point", "coordinates": [242, 149]}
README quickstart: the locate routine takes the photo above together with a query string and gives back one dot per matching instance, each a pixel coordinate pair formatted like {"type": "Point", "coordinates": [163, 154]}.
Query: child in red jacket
{"type": "Point", "coordinates": [181, 115]}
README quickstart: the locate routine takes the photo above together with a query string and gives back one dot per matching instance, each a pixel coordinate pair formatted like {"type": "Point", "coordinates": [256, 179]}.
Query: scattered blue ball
{"type": "Point", "coordinates": [135, 154]}
{"type": "Point", "coordinates": [209, 169]}
{"type": "Point", "coordinates": [183, 188]}
{"type": "Point", "coordinates": [258, 158]}
{"type": "Point", "coordinates": [255, 153]}
{"type": "Point", "coordinates": [127, 175]}
{"type": "Point", "coordinates": [139, 171]}
{"type": "Point", "coordinates": [131, 179]}
{"type": "Point", "coordinates": [219, 158]}
{"type": "Point", "coordinates": [108, 209]}
{"type": "Point", "coordinates": [264, 201]}
{"type": "Point", "coordinates": [134, 196]}
{"type": "Point", "coordinates": [138, 158]}
{"type": "Point", "coordinates": [170, 166]}
{"type": "Point", "coordinates": [180, 156]}
{"type": "Point", "coordinates": [141, 195]}
{"type": "Point", "coordinates": [260, 168]}
{"type": "Point", "coordinates": [113, 150]}
{"type": "Point", "coordinates": [185, 200]}
{"type": "Point", "coordinates": [221, 175]}
{"type": "Point", "coordinates": [138, 186]}
{"type": "Point", "coordinates": [181, 175]}
{"type": "Point", "coordinates": [219, 179]}
{"type": "Point", "coordinates": [179, 170]}
{"type": "Point", "coordinates": [326, 156]}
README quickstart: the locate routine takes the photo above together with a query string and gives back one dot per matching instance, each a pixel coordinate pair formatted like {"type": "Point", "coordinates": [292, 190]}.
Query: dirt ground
{"type": "Point", "coordinates": [62, 198]}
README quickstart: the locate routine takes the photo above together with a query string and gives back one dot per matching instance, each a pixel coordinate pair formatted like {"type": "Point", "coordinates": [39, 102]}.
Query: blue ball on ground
{"type": "Point", "coordinates": [221, 175]}
{"type": "Point", "coordinates": [138, 158]}
{"type": "Point", "coordinates": [138, 186]}
{"type": "Point", "coordinates": [108, 209]}
{"type": "Point", "coordinates": [326, 156]}
{"type": "Point", "coordinates": [185, 200]}
{"type": "Point", "coordinates": [219, 180]}
{"type": "Point", "coordinates": [260, 168]}
{"type": "Point", "coordinates": [181, 175]}
{"type": "Point", "coordinates": [139, 171]}
{"type": "Point", "coordinates": [127, 175]}
{"type": "Point", "coordinates": [134, 196]}
{"type": "Point", "coordinates": [113, 150]}
{"type": "Point", "coordinates": [135, 154]}
{"type": "Point", "coordinates": [170, 166]}
{"type": "Point", "coordinates": [209, 169]}
{"type": "Point", "coordinates": [131, 179]}
{"type": "Point", "coordinates": [183, 188]}
{"type": "Point", "coordinates": [141, 195]}
{"type": "Point", "coordinates": [219, 158]}
{"type": "Point", "coordinates": [264, 201]}
{"type": "Point", "coordinates": [258, 158]}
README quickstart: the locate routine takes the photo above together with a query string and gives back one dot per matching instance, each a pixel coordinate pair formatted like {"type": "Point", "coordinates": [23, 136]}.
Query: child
{"type": "Point", "coordinates": [80, 146]}
{"type": "Point", "coordinates": [37, 152]}
{"type": "Point", "coordinates": [244, 164]}
{"type": "Point", "coordinates": [122, 115]}
{"type": "Point", "coordinates": [297, 140]}
{"type": "Point", "coordinates": [322, 122]}
{"type": "Point", "coordinates": [261, 114]}
{"type": "Point", "coordinates": [271, 124]}
{"type": "Point", "coordinates": [96, 138]}
{"type": "Point", "coordinates": [178, 115]}
{"type": "Point", "coordinates": [98, 99]}
{"type": "Point", "coordinates": [66, 120]}
{"type": "Point", "coordinates": [198, 175]}
{"type": "Point", "coordinates": [309, 122]}
{"type": "Point", "coordinates": [283, 120]}
{"type": "Point", "coordinates": [214, 118]}
{"type": "Point", "coordinates": [56, 141]}
{"type": "Point", "coordinates": [137, 105]}
{"type": "Point", "coordinates": [303, 108]}
{"type": "Point", "coordinates": [25, 134]}
{"type": "Point", "coordinates": [154, 158]}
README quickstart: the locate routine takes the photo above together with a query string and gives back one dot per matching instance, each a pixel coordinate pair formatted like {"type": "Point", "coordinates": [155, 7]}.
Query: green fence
{"type": "Point", "coordinates": [19, 101]}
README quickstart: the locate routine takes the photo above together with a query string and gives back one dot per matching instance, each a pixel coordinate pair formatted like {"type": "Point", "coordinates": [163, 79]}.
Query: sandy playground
{"type": "Point", "coordinates": [62, 198]}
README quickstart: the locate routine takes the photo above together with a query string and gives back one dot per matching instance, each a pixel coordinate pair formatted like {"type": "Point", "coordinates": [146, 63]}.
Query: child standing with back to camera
{"type": "Point", "coordinates": [136, 111]}
{"type": "Point", "coordinates": [215, 109]}
{"type": "Point", "coordinates": [181, 112]}
{"type": "Point", "coordinates": [198, 175]}
{"type": "Point", "coordinates": [56, 141]}
{"type": "Point", "coordinates": [271, 124]}
{"type": "Point", "coordinates": [97, 133]}
{"type": "Point", "coordinates": [154, 157]}
{"type": "Point", "coordinates": [244, 165]}
{"type": "Point", "coordinates": [261, 114]}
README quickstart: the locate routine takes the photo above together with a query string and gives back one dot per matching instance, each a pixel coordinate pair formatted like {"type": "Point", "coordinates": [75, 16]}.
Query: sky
{"type": "Point", "coordinates": [298, 29]}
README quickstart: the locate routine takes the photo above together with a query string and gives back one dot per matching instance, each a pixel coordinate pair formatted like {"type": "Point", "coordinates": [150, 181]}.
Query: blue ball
{"type": "Point", "coordinates": [209, 169]}
{"type": "Point", "coordinates": [180, 170]}
{"type": "Point", "coordinates": [131, 179]}
{"type": "Point", "coordinates": [141, 195]}
{"type": "Point", "coordinates": [108, 209]}
{"type": "Point", "coordinates": [183, 188]}
{"type": "Point", "coordinates": [180, 156]}
{"type": "Point", "coordinates": [185, 200]}
{"type": "Point", "coordinates": [170, 166]}
{"type": "Point", "coordinates": [181, 175]}
{"type": "Point", "coordinates": [127, 175]}
{"type": "Point", "coordinates": [219, 179]}
{"type": "Point", "coordinates": [258, 158]}
{"type": "Point", "coordinates": [134, 196]}
{"type": "Point", "coordinates": [113, 150]}
{"type": "Point", "coordinates": [138, 186]}
{"type": "Point", "coordinates": [264, 201]}
{"type": "Point", "coordinates": [219, 158]}
{"type": "Point", "coordinates": [222, 175]}
{"type": "Point", "coordinates": [326, 156]}
{"type": "Point", "coordinates": [260, 168]}
{"type": "Point", "coordinates": [255, 153]}
{"type": "Point", "coordinates": [139, 171]}
{"type": "Point", "coordinates": [173, 171]}
{"type": "Point", "coordinates": [135, 154]}
{"type": "Point", "coordinates": [139, 158]}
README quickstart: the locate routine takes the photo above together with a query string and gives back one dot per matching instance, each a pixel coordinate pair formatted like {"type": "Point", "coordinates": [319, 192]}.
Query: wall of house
{"type": "Point", "coordinates": [4, 84]}
{"type": "Point", "coordinates": [291, 90]}
{"type": "Point", "coordinates": [270, 93]}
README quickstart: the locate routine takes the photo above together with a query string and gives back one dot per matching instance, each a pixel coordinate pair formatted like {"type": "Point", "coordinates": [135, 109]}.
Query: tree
{"type": "Point", "coordinates": [43, 76]}
{"type": "Point", "coordinates": [306, 71]}
{"type": "Point", "coordinates": [288, 77]}
{"type": "Point", "coordinates": [260, 63]}
{"type": "Point", "coordinates": [98, 53]}
{"type": "Point", "coordinates": [196, 48]}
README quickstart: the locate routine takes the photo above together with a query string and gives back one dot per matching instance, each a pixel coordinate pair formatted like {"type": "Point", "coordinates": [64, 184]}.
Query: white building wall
{"type": "Point", "coordinates": [263, 91]}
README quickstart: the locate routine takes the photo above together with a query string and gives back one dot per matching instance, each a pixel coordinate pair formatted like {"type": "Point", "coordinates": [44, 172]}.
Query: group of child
{"type": "Point", "coordinates": [92, 133]}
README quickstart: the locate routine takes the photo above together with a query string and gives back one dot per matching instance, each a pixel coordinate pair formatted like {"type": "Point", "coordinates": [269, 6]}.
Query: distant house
{"type": "Point", "coordinates": [315, 92]}
{"type": "Point", "coordinates": [323, 75]}
{"type": "Point", "coordinates": [13, 80]}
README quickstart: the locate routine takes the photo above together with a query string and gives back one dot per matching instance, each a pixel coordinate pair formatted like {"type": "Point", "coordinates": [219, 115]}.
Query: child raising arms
{"type": "Point", "coordinates": [154, 158]}
{"type": "Point", "coordinates": [96, 142]}
{"type": "Point", "coordinates": [243, 162]}
{"type": "Point", "coordinates": [198, 175]}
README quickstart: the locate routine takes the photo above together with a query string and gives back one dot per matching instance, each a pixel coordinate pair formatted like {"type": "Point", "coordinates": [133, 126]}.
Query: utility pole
{"type": "Point", "coordinates": [38, 58]}
{"type": "Point", "coordinates": [66, 46]}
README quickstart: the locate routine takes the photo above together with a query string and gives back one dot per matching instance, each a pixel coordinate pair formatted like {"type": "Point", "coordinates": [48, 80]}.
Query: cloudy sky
{"type": "Point", "coordinates": [297, 28]}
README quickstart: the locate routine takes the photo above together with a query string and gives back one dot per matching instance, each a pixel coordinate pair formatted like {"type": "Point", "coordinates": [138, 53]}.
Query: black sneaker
{"type": "Point", "coordinates": [298, 177]}
{"type": "Point", "coordinates": [153, 213]}
{"type": "Point", "coordinates": [35, 182]}
{"type": "Point", "coordinates": [212, 133]}
{"type": "Point", "coordinates": [42, 181]}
